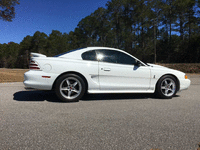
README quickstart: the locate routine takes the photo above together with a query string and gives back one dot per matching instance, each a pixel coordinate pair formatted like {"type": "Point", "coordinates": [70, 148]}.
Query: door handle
{"type": "Point", "coordinates": [107, 69]}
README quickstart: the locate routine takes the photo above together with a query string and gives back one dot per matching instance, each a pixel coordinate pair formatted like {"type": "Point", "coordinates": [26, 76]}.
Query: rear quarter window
{"type": "Point", "coordinates": [89, 55]}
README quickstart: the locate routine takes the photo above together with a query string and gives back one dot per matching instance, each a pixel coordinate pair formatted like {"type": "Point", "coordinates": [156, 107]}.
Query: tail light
{"type": "Point", "coordinates": [33, 65]}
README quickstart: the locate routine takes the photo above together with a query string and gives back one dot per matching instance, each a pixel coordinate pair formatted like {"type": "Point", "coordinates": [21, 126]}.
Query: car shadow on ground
{"type": "Point", "coordinates": [35, 95]}
{"type": "Point", "coordinates": [50, 96]}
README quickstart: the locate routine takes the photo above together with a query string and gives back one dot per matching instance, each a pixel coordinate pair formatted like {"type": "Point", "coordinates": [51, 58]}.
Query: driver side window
{"type": "Point", "coordinates": [112, 56]}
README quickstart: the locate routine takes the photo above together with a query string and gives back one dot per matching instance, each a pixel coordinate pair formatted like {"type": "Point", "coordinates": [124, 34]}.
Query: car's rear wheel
{"type": "Point", "coordinates": [70, 87]}
{"type": "Point", "coordinates": [166, 87]}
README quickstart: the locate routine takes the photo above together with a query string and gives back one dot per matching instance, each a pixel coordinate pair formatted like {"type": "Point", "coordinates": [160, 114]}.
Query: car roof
{"type": "Point", "coordinates": [76, 54]}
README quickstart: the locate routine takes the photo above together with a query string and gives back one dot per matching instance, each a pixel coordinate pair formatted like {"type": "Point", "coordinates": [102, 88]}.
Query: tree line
{"type": "Point", "coordinates": [165, 31]}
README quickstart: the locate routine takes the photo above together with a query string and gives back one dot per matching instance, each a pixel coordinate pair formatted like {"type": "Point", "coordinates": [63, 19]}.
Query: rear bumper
{"type": "Point", "coordinates": [184, 84]}
{"type": "Point", "coordinates": [34, 79]}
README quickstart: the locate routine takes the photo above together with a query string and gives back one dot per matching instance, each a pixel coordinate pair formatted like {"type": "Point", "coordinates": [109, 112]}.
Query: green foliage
{"type": "Point", "coordinates": [7, 11]}
{"type": "Point", "coordinates": [56, 43]}
{"type": "Point", "coordinates": [168, 28]}
{"type": "Point", "coordinates": [8, 55]}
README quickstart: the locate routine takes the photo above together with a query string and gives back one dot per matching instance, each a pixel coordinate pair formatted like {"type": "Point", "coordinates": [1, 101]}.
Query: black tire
{"type": "Point", "coordinates": [166, 87]}
{"type": "Point", "coordinates": [70, 88]}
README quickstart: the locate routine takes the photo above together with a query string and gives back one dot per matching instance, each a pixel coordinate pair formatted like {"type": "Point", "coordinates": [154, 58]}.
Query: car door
{"type": "Point", "coordinates": [118, 72]}
{"type": "Point", "coordinates": [90, 70]}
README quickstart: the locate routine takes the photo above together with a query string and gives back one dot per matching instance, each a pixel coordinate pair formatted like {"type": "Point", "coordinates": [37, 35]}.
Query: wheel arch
{"type": "Point", "coordinates": [177, 80]}
{"type": "Point", "coordinates": [71, 72]}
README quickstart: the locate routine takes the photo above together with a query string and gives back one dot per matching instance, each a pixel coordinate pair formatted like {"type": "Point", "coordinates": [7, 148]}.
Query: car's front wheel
{"type": "Point", "coordinates": [70, 87]}
{"type": "Point", "coordinates": [166, 87]}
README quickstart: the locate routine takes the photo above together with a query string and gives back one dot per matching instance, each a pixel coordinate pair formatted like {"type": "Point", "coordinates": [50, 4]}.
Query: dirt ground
{"type": "Point", "coordinates": [17, 75]}
{"type": "Point", "coordinates": [12, 75]}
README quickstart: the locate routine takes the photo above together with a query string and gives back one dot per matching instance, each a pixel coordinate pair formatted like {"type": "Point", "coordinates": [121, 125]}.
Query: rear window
{"type": "Point", "coordinates": [67, 52]}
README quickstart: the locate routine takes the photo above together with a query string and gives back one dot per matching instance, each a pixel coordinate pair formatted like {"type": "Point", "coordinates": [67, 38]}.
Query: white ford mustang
{"type": "Point", "coordinates": [101, 70]}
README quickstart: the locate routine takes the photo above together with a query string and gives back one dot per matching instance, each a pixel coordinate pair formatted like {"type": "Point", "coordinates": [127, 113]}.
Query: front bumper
{"type": "Point", "coordinates": [34, 79]}
{"type": "Point", "coordinates": [184, 84]}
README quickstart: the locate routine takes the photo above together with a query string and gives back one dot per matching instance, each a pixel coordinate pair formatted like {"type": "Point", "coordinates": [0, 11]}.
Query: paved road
{"type": "Point", "coordinates": [38, 120]}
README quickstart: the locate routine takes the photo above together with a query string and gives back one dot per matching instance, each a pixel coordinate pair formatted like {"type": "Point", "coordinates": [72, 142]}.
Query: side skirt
{"type": "Point", "coordinates": [116, 91]}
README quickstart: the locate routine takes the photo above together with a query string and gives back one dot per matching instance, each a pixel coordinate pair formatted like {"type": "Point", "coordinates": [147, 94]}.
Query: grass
{"type": "Point", "coordinates": [12, 75]}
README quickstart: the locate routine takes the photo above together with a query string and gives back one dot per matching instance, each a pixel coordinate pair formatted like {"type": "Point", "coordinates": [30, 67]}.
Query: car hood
{"type": "Point", "coordinates": [157, 66]}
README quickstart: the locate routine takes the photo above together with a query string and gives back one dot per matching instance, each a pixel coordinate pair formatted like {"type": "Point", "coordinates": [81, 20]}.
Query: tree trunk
{"type": "Point", "coordinates": [181, 26]}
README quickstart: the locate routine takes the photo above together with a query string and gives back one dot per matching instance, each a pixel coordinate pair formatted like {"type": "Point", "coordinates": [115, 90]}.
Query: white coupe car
{"type": "Point", "coordinates": [101, 70]}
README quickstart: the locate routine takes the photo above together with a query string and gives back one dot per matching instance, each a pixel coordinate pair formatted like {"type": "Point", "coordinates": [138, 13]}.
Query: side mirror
{"type": "Point", "coordinates": [138, 63]}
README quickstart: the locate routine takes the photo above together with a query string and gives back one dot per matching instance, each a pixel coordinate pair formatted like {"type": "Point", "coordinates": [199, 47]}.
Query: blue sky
{"type": "Point", "coordinates": [45, 16]}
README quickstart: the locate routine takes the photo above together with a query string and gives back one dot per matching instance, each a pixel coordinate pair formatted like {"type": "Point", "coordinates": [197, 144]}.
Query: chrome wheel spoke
{"type": "Point", "coordinates": [170, 84]}
{"type": "Point", "coordinates": [163, 87]}
{"type": "Point", "coordinates": [75, 83]}
{"type": "Point", "coordinates": [69, 93]}
{"type": "Point", "coordinates": [68, 83]}
{"type": "Point", "coordinates": [64, 89]}
{"type": "Point", "coordinates": [70, 88]}
{"type": "Point", "coordinates": [170, 90]}
{"type": "Point", "coordinates": [168, 87]}
{"type": "Point", "coordinates": [76, 91]}
{"type": "Point", "coordinates": [166, 91]}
